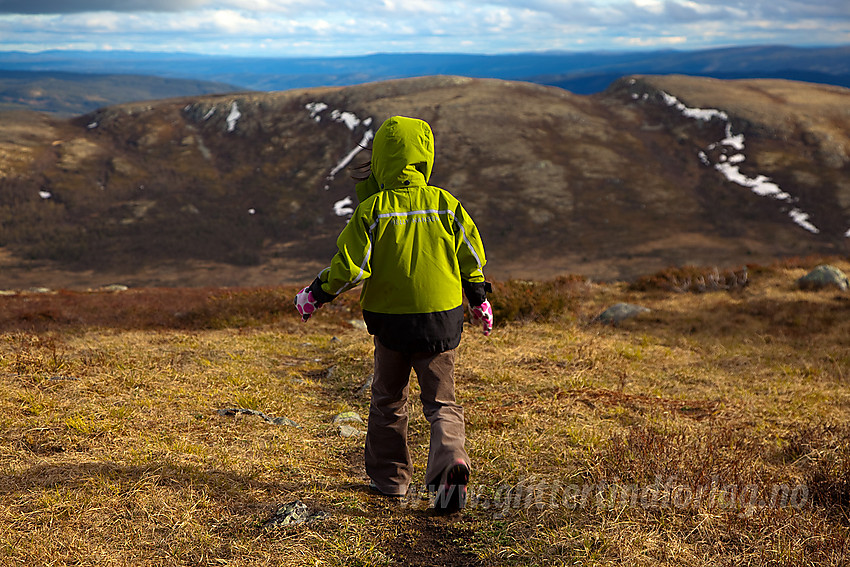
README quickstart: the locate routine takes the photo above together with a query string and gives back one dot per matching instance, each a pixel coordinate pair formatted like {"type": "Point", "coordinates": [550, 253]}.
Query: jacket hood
{"type": "Point", "coordinates": [402, 153]}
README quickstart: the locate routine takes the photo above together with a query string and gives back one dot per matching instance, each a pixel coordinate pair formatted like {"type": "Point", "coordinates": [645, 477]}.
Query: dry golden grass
{"type": "Point", "coordinates": [591, 445]}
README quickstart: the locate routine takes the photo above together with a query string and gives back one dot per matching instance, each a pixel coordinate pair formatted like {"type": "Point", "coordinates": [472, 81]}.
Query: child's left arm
{"type": "Point", "coordinates": [470, 249]}
{"type": "Point", "coordinates": [471, 259]}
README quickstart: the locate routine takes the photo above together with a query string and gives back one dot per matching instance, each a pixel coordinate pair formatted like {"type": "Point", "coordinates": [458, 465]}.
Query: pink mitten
{"type": "Point", "coordinates": [305, 303]}
{"type": "Point", "coordinates": [483, 315]}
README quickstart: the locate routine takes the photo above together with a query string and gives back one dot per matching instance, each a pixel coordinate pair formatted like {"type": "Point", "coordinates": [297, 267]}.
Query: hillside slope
{"type": "Point", "coordinates": [252, 189]}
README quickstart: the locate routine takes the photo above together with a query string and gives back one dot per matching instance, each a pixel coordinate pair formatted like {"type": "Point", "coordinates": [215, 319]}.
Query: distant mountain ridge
{"type": "Point", "coordinates": [252, 188]}
{"type": "Point", "coordinates": [71, 94]}
{"type": "Point", "coordinates": [579, 72]}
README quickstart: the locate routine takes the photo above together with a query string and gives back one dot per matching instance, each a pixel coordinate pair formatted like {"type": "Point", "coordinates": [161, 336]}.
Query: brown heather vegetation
{"type": "Point", "coordinates": [710, 431]}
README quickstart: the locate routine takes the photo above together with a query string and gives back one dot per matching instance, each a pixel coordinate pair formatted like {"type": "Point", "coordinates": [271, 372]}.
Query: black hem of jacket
{"type": "Point", "coordinates": [434, 332]}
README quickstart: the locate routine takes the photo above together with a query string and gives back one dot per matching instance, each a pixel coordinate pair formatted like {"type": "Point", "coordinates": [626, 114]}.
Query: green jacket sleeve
{"type": "Point", "coordinates": [350, 265]}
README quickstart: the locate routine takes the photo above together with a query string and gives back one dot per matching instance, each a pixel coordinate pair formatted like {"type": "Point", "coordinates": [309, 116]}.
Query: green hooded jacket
{"type": "Point", "coordinates": [412, 246]}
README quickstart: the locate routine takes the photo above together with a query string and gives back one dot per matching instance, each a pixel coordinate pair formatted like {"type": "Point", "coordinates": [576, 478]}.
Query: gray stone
{"type": "Point", "coordinates": [346, 417]}
{"type": "Point", "coordinates": [343, 419]}
{"type": "Point", "coordinates": [263, 416]}
{"type": "Point", "coordinates": [349, 431]}
{"type": "Point", "coordinates": [293, 514]}
{"type": "Point", "coordinates": [367, 386]}
{"type": "Point", "coordinates": [40, 290]}
{"type": "Point", "coordinates": [824, 276]}
{"type": "Point", "coordinates": [619, 312]}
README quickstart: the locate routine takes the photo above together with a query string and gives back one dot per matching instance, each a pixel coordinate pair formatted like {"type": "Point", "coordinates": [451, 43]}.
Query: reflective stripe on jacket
{"type": "Point", "coordinates": [411, 245]}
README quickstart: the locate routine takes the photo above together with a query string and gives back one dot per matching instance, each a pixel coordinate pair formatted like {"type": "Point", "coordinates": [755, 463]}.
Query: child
{"type": "Point", "coordinates": [414, 248]}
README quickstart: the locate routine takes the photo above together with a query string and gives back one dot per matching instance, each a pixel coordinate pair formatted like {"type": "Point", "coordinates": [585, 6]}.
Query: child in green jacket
{"type": "Point", "coordinates": [415, 250]}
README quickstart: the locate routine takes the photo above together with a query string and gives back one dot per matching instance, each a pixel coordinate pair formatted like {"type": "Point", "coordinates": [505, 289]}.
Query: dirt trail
{"type": "Point", "coordinates": [434, 540]}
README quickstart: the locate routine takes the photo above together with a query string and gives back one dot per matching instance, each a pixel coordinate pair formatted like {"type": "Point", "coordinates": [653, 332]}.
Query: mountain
{"type": "Point", "coordinates": [253, 188]}
{"type": "Point", "coordinates": [70, 94]}
{"type": "Point", "coordinates": [580, 72]}
{"type": "Point", "coordinates": [817, 65]}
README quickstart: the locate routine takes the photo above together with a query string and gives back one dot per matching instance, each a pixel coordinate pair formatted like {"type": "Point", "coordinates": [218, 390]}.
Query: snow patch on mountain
{"type": "Point", "coordinates": [729, 164]}
{"type": "Point", "coordinates": [315, 108]}
{"type": "Point", "coordinates": [364, 143]}
{"type": "Point", "coordinates": [695, 113]}
{"type": "Point", "coordinates": [319, 111]}
{"type": "Point", "coordinates": [344, 207]}
{"type": "Point", "coordinates": [233, 117]}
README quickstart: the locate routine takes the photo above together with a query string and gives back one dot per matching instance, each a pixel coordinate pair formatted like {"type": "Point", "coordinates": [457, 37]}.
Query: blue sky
{"type": "Point", "coordinates": [354, 27]}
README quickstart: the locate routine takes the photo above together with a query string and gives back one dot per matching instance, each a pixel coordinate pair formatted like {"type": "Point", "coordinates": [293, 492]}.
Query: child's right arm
{"type": "Point", "coordinates": [349, 267]}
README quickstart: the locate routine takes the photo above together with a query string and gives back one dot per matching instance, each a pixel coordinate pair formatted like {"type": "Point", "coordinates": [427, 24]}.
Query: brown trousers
{"type": "Point", "coordinates": [388, 461]}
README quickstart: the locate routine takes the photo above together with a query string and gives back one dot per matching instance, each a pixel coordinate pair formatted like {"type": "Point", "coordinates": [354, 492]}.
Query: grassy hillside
{"type": "Point", "coordinates": [242, 189]}
{"type": "Point", "coordinates": [710, 431]}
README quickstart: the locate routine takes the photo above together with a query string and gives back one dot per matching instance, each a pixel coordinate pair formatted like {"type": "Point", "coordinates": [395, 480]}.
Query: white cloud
{"type": "Point", "coordinates": [232, 22]}
{"type": "Point", "coordinates": [100, 22]}
{"type": "Point", "coordinates": [405, 7]}
{"type": "Point", "coordinates": [653, 6]}
{"type": "Point", "coordinates": [652, 41]}
{"type": "Point", "coordinates": [348, 27]}
{"type": "Point", "coordinates": [91, 6]}
{"type": "Point", "coordinates": [499, 20]}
